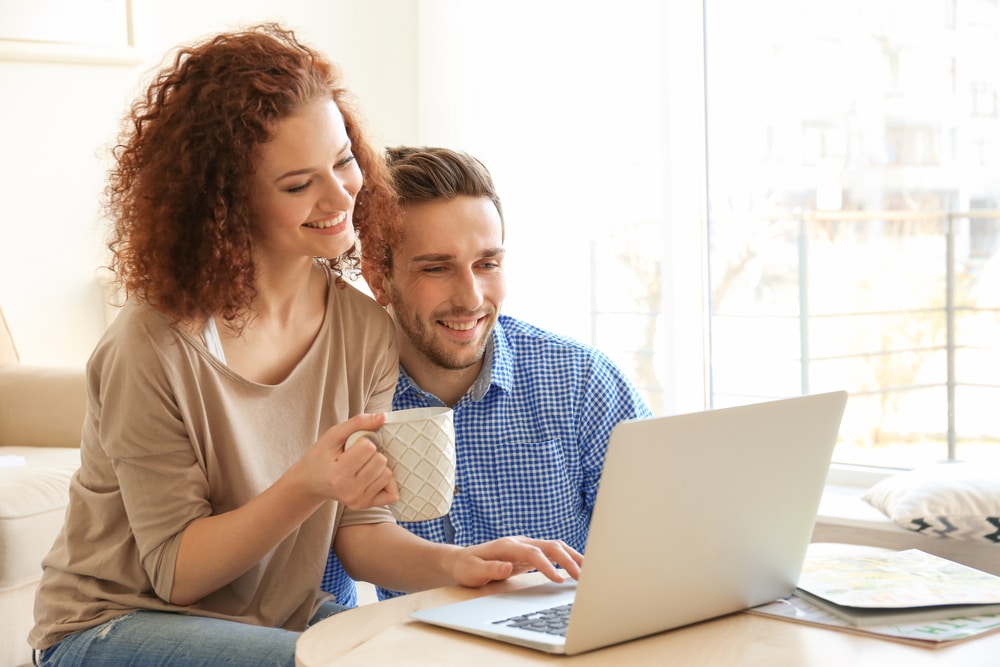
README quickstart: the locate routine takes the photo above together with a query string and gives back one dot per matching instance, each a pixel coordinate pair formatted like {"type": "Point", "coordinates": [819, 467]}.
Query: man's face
{"type": "Point", "coordinates": [447, 282]}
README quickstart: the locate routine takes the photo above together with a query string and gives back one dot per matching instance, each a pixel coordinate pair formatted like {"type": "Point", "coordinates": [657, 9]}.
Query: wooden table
{"type": "Point", "coordinates": [382, 634]}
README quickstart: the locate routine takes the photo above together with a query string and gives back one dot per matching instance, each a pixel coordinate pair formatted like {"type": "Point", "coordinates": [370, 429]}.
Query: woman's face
{"type": "Point", "coordinates": [305, 185]}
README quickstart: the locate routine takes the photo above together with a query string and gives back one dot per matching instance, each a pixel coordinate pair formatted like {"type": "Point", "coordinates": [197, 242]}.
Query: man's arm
{"type": "Point", "coordinates": [392, 557]}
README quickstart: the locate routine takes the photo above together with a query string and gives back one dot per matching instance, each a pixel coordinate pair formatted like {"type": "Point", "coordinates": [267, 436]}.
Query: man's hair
{"type": "Point", "coordinates": [422, 174]}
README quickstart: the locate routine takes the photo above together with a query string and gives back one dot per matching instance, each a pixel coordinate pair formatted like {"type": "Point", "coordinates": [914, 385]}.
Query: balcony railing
{"type": "Point", "coordinates": [902, 309]}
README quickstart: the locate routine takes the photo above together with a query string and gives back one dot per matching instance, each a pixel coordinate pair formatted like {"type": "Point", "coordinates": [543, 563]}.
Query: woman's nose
{"type": "Point", "coordinates": [338, 195]}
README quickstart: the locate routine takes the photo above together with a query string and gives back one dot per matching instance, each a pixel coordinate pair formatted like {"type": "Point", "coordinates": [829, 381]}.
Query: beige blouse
{"type": "Point", "coordinates": [172, 435]}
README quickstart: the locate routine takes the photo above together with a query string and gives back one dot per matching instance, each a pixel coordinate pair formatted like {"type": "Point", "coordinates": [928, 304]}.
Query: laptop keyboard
{"type": "Point", "coordinates": [553, 620]}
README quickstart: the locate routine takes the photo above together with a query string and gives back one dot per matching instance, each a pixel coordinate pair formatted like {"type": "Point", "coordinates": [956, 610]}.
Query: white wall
{"type": "Point", "coordinates": [56, 118]}
{"type": "Point", "coordinates": [589, 115]}
{"type": "Point", "coordinates": [564, 100]}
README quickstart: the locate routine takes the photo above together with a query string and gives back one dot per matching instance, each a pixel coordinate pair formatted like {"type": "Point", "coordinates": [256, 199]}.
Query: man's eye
{"type": "Point", "coordinates": [297, 188]}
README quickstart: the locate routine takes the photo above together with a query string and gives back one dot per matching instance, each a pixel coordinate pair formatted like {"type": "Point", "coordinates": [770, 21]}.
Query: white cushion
{"type": "Point", "coordinates": [957, 500]}
{"type": "Point", "coordinates": [33, 499]}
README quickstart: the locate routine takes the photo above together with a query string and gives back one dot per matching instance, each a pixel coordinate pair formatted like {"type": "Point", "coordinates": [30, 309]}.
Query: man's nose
{"type": "Point", "coordinates": [468, 292]}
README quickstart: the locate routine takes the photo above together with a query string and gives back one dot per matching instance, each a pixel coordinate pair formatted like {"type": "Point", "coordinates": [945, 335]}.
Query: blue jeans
{"type": "Point", "coordinates": [161, 639]}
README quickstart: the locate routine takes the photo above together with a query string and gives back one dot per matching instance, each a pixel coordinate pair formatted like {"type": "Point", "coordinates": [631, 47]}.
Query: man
{"type": "Point", "coordinates": [533, 410]}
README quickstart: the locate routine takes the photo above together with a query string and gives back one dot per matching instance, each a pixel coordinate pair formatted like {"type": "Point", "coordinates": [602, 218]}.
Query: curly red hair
{"type": "Point", "coordinates": [179, 191]}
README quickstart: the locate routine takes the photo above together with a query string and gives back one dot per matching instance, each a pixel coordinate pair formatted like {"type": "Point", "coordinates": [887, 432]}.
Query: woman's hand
{"type": "Point", "coordinates": [358, 477]}
{"type": "Point", "coordinates": [503, 558]}
{"type": "Point", "coordinates": [234, 541]}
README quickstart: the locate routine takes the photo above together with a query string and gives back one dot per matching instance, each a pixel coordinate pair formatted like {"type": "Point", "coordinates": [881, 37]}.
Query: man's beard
{"type": "Point", "coordinates": [424, 340]}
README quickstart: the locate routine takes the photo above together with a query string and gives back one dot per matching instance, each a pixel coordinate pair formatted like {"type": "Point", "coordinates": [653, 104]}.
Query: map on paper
{"type": "Point", "coordinates": [899, 579]}
{"type": "Point", "coordinates": [926, 634]}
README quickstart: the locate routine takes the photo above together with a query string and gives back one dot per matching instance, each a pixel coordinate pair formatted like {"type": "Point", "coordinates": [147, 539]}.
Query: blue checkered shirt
{"type": "Point", "coordinates": [531, 436]}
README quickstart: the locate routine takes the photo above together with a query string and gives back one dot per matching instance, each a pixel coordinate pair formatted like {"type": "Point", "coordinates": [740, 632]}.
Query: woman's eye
{"type": "Point", "coordinates": [346, 161]}
{"type": "Point", "coordinates": [297, 188]}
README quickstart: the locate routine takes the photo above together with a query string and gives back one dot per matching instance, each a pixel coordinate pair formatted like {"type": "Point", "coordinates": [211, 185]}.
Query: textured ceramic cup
{"type": "Point", "coordinates": [420, 446]}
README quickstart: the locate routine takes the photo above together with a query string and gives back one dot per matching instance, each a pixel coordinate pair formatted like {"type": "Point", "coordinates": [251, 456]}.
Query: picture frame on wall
{"type": "Point", "coordinates": [74, 31]}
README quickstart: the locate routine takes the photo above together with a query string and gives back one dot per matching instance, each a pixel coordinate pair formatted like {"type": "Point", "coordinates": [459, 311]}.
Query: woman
{"type": "Point", "coordinates": [213, 476]}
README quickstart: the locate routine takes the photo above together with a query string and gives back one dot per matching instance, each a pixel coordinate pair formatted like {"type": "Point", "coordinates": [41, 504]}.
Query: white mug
{"type": "Point", "coordinates": [419, 444]}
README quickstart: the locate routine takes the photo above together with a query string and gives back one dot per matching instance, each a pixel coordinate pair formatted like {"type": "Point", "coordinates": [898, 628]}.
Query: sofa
{"type": "Point", "coordinates": [41, 415]}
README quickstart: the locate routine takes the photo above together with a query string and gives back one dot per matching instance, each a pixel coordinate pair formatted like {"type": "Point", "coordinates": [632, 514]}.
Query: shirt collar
{"type": "Point", "coordinates": [501, 359]}
{"type": "Point", "coordinates": [490, 367]}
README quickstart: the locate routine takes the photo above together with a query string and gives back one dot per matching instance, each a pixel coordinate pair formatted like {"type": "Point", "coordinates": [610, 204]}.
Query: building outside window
{"type": "Point", "coordinates": [853, 187]}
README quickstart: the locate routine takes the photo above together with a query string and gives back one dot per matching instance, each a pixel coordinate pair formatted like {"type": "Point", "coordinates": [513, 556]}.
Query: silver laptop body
{"type": "Point", "coordinates": [697, 516]}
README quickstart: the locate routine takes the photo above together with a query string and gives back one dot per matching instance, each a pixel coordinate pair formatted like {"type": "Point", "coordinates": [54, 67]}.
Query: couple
{"type": "Point", "coordinates": [213, 479]}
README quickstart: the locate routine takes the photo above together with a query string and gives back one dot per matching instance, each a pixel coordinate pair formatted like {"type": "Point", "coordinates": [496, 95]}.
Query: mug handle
{"type": "Point", "coordinates": [354, 437]}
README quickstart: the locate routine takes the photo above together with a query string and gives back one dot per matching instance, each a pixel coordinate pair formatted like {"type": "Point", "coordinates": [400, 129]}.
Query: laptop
{"type": "Point", "coordinates": [697, 516]}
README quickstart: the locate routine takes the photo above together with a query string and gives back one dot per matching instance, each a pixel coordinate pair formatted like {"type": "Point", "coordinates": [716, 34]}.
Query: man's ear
{"type": "Point", "coordinates": [377, 284]}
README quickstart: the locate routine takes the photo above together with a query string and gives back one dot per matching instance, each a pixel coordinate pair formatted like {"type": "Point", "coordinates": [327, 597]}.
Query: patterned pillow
{"type": "Point", "coordinates": [960, 501]}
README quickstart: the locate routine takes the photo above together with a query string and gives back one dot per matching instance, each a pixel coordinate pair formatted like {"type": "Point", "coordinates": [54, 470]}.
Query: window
{"type": "Point", "coordinates": [855, 247]}
{"type": "Point", "coordinates": [744, 201]}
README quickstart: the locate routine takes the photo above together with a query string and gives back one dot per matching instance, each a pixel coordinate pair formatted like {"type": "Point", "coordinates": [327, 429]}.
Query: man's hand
{"type": "Point", "coordinates": [503, 558]}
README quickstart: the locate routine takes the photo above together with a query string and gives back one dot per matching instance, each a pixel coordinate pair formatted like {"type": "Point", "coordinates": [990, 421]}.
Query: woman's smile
{"type": "Point", "coordinates": [334, 222]}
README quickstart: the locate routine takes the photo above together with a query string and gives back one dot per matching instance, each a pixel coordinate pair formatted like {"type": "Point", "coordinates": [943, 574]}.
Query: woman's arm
{"type": "Point", "coordinates": [215, 550]}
